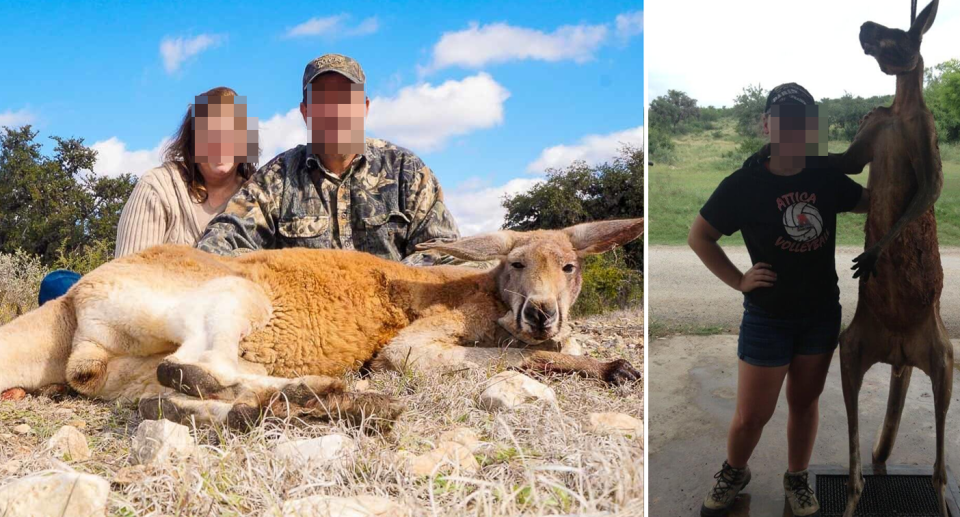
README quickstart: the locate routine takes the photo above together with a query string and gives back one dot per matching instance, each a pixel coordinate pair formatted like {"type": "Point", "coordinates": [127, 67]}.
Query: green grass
{"type": "Point", "coordinates": [660, 329]}
{"type": "Point", "coordinates": [678, 190]}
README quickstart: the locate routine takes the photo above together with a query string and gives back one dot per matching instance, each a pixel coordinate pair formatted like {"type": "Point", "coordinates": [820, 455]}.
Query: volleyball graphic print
{"type": "Point", "coordinates": [802, 222]}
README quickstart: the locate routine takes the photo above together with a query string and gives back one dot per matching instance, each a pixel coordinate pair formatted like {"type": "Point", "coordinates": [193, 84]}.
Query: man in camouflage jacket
{"type": "Point", "coordinates": [385, 201]}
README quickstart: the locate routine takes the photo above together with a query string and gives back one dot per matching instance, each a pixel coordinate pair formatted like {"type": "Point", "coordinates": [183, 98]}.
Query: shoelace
{"type": "Point", "coordinates": [726, 478]}
{"type": "Point", "coordinates": [801, 489]}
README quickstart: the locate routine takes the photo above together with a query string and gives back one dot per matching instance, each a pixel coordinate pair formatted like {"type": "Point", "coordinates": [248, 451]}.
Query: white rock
{"type": "Point", "coordinates": [329, 506]}
{"type": "Point", "coordinates": [615, 423]}
{"type": "Point", "coordinates": [159, 441]}
{"type": "Point", "coordinates": [22, 429]}
{"type": "Point", "coordinates": [68, 441]}
{"type": "Point", "coordinates": [462, 435]}
{"type": "Point", "coordinates": [571, 346]}
{"type": "Point", "coordinates": [11, 467]}
{"type": "Point", "coordinates": [55, 493]}
{"type": "Point", "coordinates": [448, 457]}
{"type": "Point", "coordinates": [326, 448]}
{"type": "Point", "coordinates": [509, 389]}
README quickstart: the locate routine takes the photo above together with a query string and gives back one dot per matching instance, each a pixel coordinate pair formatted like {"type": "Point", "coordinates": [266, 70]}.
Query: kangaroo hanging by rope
{"type": "Point", "coordinates": [898, 312]}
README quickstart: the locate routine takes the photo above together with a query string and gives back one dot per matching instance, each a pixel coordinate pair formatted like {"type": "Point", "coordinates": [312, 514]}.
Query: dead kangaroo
{"type": "Point", "coordinates": [898, 312]}
{"type": "Point", "coordinates": [216, 339]}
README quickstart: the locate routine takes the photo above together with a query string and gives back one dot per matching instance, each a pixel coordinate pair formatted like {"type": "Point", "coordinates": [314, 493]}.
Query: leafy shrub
{"type": "Point", "coordinates": [609, 283]}
{"type": "Point", "coordinates": [662, 148]}
{"type": "Point", "coordinates": [943, 98]}
{"type": "Point", "coordinates": [85, 259]}
{"type": "Point", "coordinates": [748, 110]}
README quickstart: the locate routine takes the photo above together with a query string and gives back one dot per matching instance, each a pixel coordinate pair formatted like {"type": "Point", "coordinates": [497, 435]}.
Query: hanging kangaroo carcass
{"type": "Point", "coordinates": [898, 312]}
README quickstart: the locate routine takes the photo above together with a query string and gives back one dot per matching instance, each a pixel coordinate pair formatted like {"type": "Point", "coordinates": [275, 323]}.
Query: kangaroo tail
{"type": "Point", "coordinates": [34, 347]}
{"type": "Point", "coordinates": [899, 382]}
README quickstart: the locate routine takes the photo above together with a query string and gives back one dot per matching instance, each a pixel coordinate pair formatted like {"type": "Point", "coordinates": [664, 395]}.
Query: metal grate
{"type": "Point", "coordinates": [890, 495]}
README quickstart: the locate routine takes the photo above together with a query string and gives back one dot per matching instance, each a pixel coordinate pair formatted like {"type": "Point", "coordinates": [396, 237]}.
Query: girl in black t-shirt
{"type": "Point", "coordinates": [785, 204]}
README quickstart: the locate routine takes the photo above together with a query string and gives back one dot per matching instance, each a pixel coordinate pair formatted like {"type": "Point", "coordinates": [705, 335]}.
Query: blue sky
{"type": "Point", "coordinates": [487, 94]}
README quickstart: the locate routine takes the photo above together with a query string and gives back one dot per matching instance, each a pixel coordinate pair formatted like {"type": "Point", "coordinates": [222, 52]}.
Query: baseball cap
{"type": "Point", "coordinates": [343, 65]}
{"type": "Point", "coordinates": [789, 94]}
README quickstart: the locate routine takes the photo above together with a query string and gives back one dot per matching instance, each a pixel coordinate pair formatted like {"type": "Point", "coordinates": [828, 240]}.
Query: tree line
{"type": "Point", "coordinates": [676, 113]}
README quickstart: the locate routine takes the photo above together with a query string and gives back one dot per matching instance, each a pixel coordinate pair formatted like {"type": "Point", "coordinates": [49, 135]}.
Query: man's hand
{"type": "Point", "coordinates": [760, 275]}
{"type": "Point", "coordinates": [866, 264]}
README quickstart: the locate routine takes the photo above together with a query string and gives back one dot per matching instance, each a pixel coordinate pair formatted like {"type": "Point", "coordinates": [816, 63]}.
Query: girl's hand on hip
{"type": "Point", "coordinates": [760, 275]}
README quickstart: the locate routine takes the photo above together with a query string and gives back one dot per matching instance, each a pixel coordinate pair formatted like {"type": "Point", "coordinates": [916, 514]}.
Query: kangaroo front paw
{"type": "Point", "coordinates": [188, 379]}
{"type": "Point", "coordinates": [619, 371]}
{"type": "Point", "coordinates": [160, 408]}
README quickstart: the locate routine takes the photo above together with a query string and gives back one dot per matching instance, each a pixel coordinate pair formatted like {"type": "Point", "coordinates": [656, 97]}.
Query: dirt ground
{"type": "Point", "coordinates": [684, 293]}
{"type": "Point", "coordinates": [692, 398]}
{"type": "Point", "coordinates": [692, 390]}
{"type": "Point", "coordinates": [535, 460]}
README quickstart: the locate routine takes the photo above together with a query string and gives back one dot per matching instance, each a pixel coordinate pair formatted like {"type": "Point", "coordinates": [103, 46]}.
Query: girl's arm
{"type": "Point", "coordinates": [864, 204]}
{"type": "Point", "coordinates": [703, 240]}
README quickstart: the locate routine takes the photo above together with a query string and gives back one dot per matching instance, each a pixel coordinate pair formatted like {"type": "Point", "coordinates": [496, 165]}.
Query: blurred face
{"type": "Point", "coordinates": [223, 134]}
{"type": "Point", "coordinates": [796, 132]}
{"type": "Point", "coordinates": [334, 114]}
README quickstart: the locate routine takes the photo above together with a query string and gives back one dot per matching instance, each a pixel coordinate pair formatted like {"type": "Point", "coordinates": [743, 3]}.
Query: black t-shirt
{"type": "Point", "coordinates": [788, 222]}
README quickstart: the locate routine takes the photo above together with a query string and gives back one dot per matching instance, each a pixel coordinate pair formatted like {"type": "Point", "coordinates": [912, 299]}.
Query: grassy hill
{"type": "Point", "coordinates": [677, 190]}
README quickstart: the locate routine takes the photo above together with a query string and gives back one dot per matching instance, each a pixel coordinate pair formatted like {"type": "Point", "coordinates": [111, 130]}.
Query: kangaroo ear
{"type": "Point", "coordinates": [923, 22]}
{"type": "Point", "coordinates": [486, 246]}
{"type": "Point", "coordinates": [601, 236]}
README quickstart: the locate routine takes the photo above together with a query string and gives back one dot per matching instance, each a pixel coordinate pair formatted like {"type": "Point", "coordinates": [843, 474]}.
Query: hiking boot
{"type": "Point", "coordinates": [730, 482]}
{"type": "Point", "coordinates": [802, 500]}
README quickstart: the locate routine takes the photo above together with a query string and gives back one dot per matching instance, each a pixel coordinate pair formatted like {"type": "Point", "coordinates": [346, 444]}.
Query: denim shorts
{"type": "Point", "coordinates": [770, 340]}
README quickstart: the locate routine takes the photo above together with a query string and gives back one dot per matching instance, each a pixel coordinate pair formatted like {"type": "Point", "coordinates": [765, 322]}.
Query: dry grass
{"type": "Point", "coordinates": [536, 460]}
{"type": "Point", "coordinates": [20, 275]}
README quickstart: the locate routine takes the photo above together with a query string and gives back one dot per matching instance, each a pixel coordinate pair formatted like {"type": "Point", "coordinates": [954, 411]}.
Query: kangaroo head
{"type": "Point", "coordinates": [539, 275]}
{"type": "Point", "coordinates": [897, 51]}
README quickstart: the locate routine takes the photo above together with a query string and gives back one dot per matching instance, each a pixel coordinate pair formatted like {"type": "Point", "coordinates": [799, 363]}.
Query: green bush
{"type": "Point", "coordinates": [943, 98]}
{"type": "Point", "coordinates": [85, 259]}
{"type": "Point", "coordinates": [748, 110]}
{"type": "Point", "coordinates": [608, 284]}
{"type": "Point", "coordinates": [662, 148]}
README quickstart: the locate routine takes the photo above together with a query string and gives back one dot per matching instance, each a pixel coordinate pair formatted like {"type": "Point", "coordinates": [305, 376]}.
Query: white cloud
{"type": "Point", "coordinates": [175, 51]}
{"type": "Point", "coordinates": [367, 26]}
{"type": "Point", "coordinates": [333, 27]}
{"type": "Point", "coordinates": [479, 45]}
{"type": "Point", "coordinates": [816, 46]}
{"type": "Point", "coordinates": [476, 206]}
{"type": "Point", "coordinates": [281, 132]}
{"type": "Point", "coordinates": [17, 118]}
{"type": "Point", "coordinates": [113, 158]}
{"type": "Point", "coordinates": [593, 149]}
{"type": "Point", "coordinates": [422, 117]}
{"type": "Point", "coordinates": [629, 25]}
{"type": "Point", "coordinates": [425, 116]}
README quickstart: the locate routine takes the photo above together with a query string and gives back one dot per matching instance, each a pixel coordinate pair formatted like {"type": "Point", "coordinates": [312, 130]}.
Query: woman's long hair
{"type": "Point", "coordinates": [180, 150]}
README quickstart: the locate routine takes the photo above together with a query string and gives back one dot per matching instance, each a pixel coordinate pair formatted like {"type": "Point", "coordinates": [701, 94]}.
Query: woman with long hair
{"type": "Point", "coordinates": [211, 155]}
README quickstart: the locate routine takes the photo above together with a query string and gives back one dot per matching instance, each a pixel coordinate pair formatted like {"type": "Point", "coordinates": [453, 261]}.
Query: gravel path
{"type": "Point", "coordinates": [683, 292]}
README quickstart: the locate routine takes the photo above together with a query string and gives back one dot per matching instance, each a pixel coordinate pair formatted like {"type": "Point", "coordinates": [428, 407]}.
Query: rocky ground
{"type": "Point", "coordinates": [569, 447]}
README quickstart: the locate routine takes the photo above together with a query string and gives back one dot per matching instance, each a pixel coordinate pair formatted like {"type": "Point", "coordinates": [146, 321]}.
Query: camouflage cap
{"type": "Point", "coordinates": [343, 65]}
